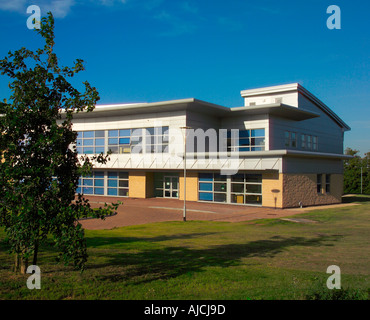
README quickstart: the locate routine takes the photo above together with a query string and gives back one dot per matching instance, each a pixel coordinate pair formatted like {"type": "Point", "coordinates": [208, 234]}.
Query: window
{"type": "Point", "coordinates": [319, 183]}
{"type": "Point", "coordinates": [314, 143]}
{"type": "Point", "coordinates": [119, 141]}
{"type": "Point", "coordinates": [327, 183]}
{"type": "Point", "coordinates": [309, 142]}
{"type": "Point", "coordinates": [246, 188]}
{"type": "Point", "coordinates": [303, 141]}
{"type": "Point", "coordinates": [118, 184]}
{"type": "Point", "coordinates": [287, 138]}
{"type": "Point", "coordinates": [122, 141]}
{"type": "Point", "coordinates": [212, 187]}
{"type": "Point", "coordinates": [156, 140]}
{"type": "Point", "coordinates": [137, 140]}
{"type": "Point", "coordinates": [248, 140]}
{"type": "Point", "coordinates": [290, 139]}
{"type": "Point", "coordinates": [293, 139]}
{"type": "Point", "coordinates": [92, 184]}
{"type": "Point", "coordinates": [90, 142]}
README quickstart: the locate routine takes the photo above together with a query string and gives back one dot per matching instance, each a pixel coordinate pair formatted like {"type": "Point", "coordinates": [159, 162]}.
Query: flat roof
{"type": "Point", "coordinates": [195, 105]}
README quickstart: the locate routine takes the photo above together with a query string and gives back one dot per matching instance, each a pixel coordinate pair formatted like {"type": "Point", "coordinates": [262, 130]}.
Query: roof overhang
{"type": "Point", "coordinates": [155, 107]}
{"type": "Point", "coordinates": [277, 110]}
{"type": "Point", "coordinates": [267, 154]}
{"type": "Point", "coordinates": [199, 106]}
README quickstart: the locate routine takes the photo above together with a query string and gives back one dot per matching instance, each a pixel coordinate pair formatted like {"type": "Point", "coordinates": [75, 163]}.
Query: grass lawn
{"type": "Point", "coordinates": [262, 259]}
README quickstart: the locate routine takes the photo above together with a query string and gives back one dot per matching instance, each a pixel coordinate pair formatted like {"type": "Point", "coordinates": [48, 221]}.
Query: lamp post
{"type": "Point", "coordinates": [184, 211]}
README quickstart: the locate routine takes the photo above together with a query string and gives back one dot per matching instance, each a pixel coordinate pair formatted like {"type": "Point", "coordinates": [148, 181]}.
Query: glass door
{"type": "Point", "coordinates": [170, 187]}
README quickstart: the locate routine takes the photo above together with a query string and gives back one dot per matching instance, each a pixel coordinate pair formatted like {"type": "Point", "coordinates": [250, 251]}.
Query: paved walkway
{"type": "Point", "coordinates": [141, 211]}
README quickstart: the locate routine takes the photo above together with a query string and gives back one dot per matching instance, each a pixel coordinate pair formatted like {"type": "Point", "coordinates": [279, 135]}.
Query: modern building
{"type": "Point", "coordinates": [283, 148]}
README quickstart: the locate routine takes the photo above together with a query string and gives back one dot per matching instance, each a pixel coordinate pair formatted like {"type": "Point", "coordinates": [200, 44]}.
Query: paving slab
{"type": "Point", "coordinates": [141, 211]}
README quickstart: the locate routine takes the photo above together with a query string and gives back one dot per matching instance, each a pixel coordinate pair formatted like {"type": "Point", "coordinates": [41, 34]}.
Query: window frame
{"type": "Point", "coordinates": [319, 185]}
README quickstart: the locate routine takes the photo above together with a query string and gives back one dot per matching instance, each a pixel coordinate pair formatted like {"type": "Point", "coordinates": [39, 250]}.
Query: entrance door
{"type": "Point", "coordinates": [170, 187]}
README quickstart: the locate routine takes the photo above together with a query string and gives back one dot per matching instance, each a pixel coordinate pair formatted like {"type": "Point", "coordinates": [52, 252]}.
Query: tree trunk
{"type": "Point", "coordinates": [16, 263]}
{"type": "Point", "coordinates": [24, 265]}
{"type": "Point", "coordinates": [35, 252]}
{"type": "Point", "coordinates": [20, 264]}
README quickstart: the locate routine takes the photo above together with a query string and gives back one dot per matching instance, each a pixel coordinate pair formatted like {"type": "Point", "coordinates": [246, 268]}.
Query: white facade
{"type": "Point", "coordinates": [282, 129]}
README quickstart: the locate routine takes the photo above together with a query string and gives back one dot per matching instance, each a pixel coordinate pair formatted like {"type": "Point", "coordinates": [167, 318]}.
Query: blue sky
{"type": "Point", "coordinates": [154, 50]}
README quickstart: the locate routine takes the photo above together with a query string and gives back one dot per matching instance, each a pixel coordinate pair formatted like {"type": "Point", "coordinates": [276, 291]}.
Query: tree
{"type": "Point", "coordinates": [352, 172]}
{"type": "Point", "coordinates": [40, 167]}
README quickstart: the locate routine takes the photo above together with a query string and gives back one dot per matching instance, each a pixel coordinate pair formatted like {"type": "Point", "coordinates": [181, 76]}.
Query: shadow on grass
{"type": "Point", "coordinates": [355, 198]}
{"type": "Point", "coordinates": [95, 242]}
{"type": "Point", "coordinates": [170, 262]}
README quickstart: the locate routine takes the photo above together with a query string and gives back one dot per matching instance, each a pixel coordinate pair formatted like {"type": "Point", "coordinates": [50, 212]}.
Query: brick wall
{"type": "Point", "coordinates": [303, 187]}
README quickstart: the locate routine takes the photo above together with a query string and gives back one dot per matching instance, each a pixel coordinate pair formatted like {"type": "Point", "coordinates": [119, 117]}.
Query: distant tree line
{"type": "Point", "coordinates": [352, 173]}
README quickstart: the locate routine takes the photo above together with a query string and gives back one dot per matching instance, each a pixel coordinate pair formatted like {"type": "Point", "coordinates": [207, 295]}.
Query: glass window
{"type": "Point", "coordinates": [113, 133]}
{"type": "Point", "coordinates": [99, 174]}
{"type": "Point", "coordinates": [123, 175]}
{"type": "Point", "coordinates": [314, 143]}
{"type": "Point", "coordinates": [244, 133]}
{"type": "Point", "coordinates": [87, 190]}
{"type": "Point", "coordinates": [113, 141]}
{"type": "Point", "coordinates": [137, 132]}
{"type": "Point", "coordinates": [290, 139]}
{"type": "Point", "coordinates": [99, 183]}
{"type": "Point", "coordinates": [220, 197]}
{"type": "Point", "coordinates": [246, 188]}
{"type": "Point", "coordinates": [112, 174]}
{"type": "Point", "coordinates": [220, 187]}
{"type": "Point", "coordinates": [124, 141]}
{"type": "Point", "coordinates": [293, 139]}
{"type": "Point", "coordinates": [253, 199]}
{"type": "Point", "coordinates": [88, 150]}
{"type": "Point", "coordinates": [123, 183]}
{"type": "Point", "coordinates": [212, 187]}
{"type": "Point", "coordinates": [218, 177]}
{"type": "Point", "coordinates": [257, 132]}
{"type": "Point", "coordinates": [303, 141]}
{"type": "Point", "coordinates": [246, 141]}
{"type": "Point", "coordinates": [99, 191]}
{"type": "Point", "coordinates": [90, 142]}
{"type": "Point", "coordinates": [92, 184]}
{"type": "Point", "coordinates": [205, 176]}
{"type": "Point", "coordinates": [309, 142]}
{"type": "Point", "coordinates": [205, 186]}
{"type": "Point", "coordinates": [113, 150]}
{"type": "Point", "coordinates": [99, 142]}
{"type": "Point", "coordinates": [123, 192]}
{"type": "Point", "coordinates": [237, 187]}
{"type": "Point", "coordinates": [125, 133]}
{"type": "Point", "coordinates": [205, 196]}
{"type": "Point", "coordinates": [319, 183]}
{"type": "Point", "coordinates": [238, 177]}
{"type": "Point", "coordinates": [112, 191]}
{"type": "Point", "coordinates": [327, 183]}
{"type": "Point", "coordinates": [88, 182]}
{"type": "Point", "coordinates": [156, 140]}
{"type": "Point", "coordinates": [88, 134]}
{"type": "Point", "coordinates": [287, 138]}
{"type": "Point", "coordinates": [99, 150]}
{"type": "Point", "coordinates": [253, 188]}
{"type": "Point", "coordinates": [100, 134]}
